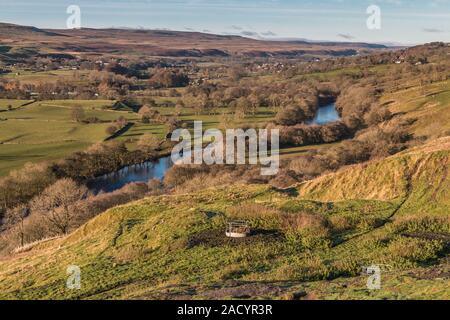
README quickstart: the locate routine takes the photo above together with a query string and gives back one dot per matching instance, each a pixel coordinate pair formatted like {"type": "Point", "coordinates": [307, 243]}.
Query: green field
{"type": "Point", "coordinates": [291, 152]}
{"type": "Point", "coordinates": [43, 130]}
{"type": "Point", "coordinates": [5, 103]}
{"type": "Point", "coordinates": [36, 77]}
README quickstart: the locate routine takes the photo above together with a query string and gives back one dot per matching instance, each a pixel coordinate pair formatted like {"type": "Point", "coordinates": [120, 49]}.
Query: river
{"type": "Point", "coordinates": [326, 114]}
{"type": "Point", "coordinates": [157, 169]}
{"type": "Point", "coordinates": [135, 173]}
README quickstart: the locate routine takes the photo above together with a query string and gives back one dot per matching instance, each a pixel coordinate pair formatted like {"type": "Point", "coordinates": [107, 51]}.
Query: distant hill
{"type": "Point", "coordinates": [339, 44]}
{"type": "Point", "coordinates": [169, 43]}
{"type": "Point", "coordinates": [8, 29]}
{"type": "Point", "coordinates": [392, 212]}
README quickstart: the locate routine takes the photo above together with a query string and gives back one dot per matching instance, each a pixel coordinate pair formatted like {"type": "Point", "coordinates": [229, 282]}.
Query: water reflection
{"type": "Point", "coordinates": [135, 173]}
{"type": "Point", "coordinates": [326, 114]}
{"type": "Point", "coordinates": [157, 169]}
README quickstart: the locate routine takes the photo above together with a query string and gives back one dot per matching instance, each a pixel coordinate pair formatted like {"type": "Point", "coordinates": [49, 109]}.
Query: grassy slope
{"type": "Point", "coordinates": [428, 105]}
{"type": "Point", "coordinates": [173, 246]}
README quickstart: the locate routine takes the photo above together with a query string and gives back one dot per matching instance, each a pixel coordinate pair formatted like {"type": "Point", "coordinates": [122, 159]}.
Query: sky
{"type": "Point", "coordinates": [401, 21]}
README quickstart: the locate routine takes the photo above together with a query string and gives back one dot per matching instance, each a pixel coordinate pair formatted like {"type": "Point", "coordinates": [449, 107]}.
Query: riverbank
{"type": "Point", "coordinates": [157, 167]}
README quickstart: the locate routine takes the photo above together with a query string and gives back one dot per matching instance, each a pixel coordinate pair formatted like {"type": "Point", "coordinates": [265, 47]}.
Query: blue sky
{"type": "Point", "coordinates": [402, 21]}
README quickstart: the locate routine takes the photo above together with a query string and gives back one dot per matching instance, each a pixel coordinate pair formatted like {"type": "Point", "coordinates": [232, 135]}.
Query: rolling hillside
{"type": "Point", "coordinates": [309, 241]}
{"type": "Point", "coordinates": [167, 43]}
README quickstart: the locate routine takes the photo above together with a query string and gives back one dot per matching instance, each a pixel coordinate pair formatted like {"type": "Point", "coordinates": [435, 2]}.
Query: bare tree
{"type": "Point", "coordinates": [77, 114]}
{"type": "Point", "coordinates": [16, 217]}
{"type": "Point", "coordinates": [290, 115]}
{"type": "Point", "coordinates": [56, 204]}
